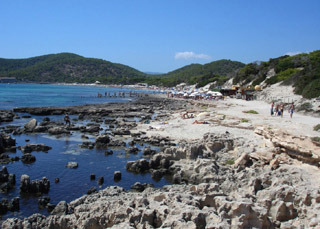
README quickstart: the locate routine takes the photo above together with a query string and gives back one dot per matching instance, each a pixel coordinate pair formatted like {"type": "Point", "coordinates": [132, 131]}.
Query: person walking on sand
{"type": "Point", "coordinates": [272, 105]}
{"type": "Point", "coordinates": [281, 110]}
{"type": "Point", "coordinates": [67, 119]}
{"type": "Point", "coordinates": [291, 110]}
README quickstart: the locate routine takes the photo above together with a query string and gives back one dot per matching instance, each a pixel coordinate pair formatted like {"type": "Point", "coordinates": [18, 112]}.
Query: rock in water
{"type": "Point", "coordinates": [117, 175]}
{"type": "Point", "coordinates": [72, 165]}
{"type": "Point", "coordinates": [30, 125]}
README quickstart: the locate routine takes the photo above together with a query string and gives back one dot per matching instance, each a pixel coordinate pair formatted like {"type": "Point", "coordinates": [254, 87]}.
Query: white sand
{"type": "Point", "coordinates": [232, 110]}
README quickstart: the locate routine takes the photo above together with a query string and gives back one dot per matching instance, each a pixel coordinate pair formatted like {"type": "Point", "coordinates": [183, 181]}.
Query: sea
{"type": "Point", "coordinates": [73, 183]}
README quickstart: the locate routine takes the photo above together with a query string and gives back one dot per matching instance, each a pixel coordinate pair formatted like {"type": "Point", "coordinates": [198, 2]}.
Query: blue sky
{"type": "Point", "coordinates": [159, 36]}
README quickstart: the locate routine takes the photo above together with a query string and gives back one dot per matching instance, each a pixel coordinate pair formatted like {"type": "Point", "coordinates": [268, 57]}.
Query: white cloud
{"type": "Point", "coordinates": [292, 53]}
{"type": "Point", "coordinates": [190, 55]}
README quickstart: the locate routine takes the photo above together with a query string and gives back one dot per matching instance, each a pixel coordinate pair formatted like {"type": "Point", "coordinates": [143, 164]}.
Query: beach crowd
{"type": "Point", "coordinates": [278, 109]}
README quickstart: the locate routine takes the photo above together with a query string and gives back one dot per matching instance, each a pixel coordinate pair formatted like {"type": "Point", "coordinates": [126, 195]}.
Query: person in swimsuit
{"type": "Point", "coordinates": [291, 110]}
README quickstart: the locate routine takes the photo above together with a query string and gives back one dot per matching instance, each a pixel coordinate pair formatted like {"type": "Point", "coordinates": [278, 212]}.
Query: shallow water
{"type": "Point", "coordinates": [73, 182]}
{"type": "Point", "coordinates": [39, 95]}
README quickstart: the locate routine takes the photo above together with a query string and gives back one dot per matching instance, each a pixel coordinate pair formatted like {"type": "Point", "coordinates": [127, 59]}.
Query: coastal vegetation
{"type": "Point", "coordinates": [68, 68]}
{"type": "Point", "coordinates": [302, 71]}
{"type": "Point", "coordinates": [251, 112]}
{"type": "Point", "coordinates": [316, 128]}
{"type": "Point", "coordinates": [217, 71]}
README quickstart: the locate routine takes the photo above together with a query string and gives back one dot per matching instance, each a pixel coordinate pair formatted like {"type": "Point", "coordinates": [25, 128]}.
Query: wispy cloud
{"type": "Point", "coordinates": [292, 53]}
{"type": "Point", "coordinates": [191, 55]}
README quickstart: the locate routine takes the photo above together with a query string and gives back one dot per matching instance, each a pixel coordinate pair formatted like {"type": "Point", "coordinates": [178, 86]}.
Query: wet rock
{"type": "Point", "coordinates": [50, 207]}
{"type": "Point", "coordinates": [133, 150]}
{"type": "Point", "coordinates": [84, 136]}
{"type": "Point", "coordinates": [102, 141]}
{"type": "Point", "coordinates": [117, 175]}
{"type": "Point", "coordinates": [140, 187]}
{"type": "Point", "coordinates": [116, 143]}
{"type": "Point", "coordinates": [35, 186]}
{"type": "Point", "coordinates": [60, 209]}
{"type": "Point", "coordinates": [72, 165]}
{"type": "Point", "coordinates": [157, 174]}
{"type": "Point", "coordinates": [92, 129]}
{"type": "Point", "coordinates": [6, 205]}
{"type": "Point", "coordinates": [6, 116]}
{"type": "Point", "coordinates": [138, 166]}
{"type": "Point", "coordinates": [108, 152]}
{"type": "Point", "coordinates": [28, 158]}
{"type": "Point", "coordinates": [6, 142]}
{"type": "Point", "coordinates": [121, 132]}
{"type": "Point", "coordinates": [87, 145]}
{"type": "Point", "coordinates": [147, 151]}
{"type": "Point", "coordinates": [92, 190]}
{"type": "Point", "coordinates": [46, 119]}
{"type": "Point", "coordinates": [29, 127]}
{"type": "Point", "coordinates": [92, 176]}
{"type": "Point", "coordinates": [43, 201]}
{"type": "Point", "coordinates": [58, 131]}
{"type": "Point", "coordinates": [40, 129]}
{"type": "Point", "coordinates": [100, 180]}
{"type": "Point", "coordinates": [35, 147]}
{"type": "Point", "coordinates": [176, 179]}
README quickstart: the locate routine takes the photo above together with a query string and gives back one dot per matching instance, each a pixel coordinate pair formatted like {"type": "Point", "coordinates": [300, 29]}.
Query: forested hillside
{"type": "Point", "coordinates": [216, 71]}
{"type": "Point", "coordinates": [302, 71]}
{"type": "Point", "coordinates": [68, 68]}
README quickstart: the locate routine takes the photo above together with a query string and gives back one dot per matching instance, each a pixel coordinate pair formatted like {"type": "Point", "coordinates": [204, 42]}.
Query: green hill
{"type": "Point", "coordinates": [302, 71]}
{"type": "Point", "coordinates": [68, 68]}
{"type": "Point", "coordinates": [216, 71]}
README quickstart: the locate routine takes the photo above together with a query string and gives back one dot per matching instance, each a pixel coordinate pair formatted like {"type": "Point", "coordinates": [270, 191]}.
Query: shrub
{"type": "Point", "coordinates": [251, 112]}
{"type": "Point", "coordinates": [229, 162]}
{"type": "Point", "coordinates": [305, 107]}
{"type": "Point", "coordinates": [316, 128]}
{"type": "Point", "coordinates": [244, 120]}
{"type": "Point", "coordinates": [316, 139]}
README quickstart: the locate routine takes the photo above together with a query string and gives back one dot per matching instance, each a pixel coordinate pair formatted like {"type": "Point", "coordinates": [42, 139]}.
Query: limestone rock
{"type": "Point", "coordinates": [31, 125]}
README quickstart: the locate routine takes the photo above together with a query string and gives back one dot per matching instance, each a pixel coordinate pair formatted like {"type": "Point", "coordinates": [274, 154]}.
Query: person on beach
{"type": "Point", "coordinates": [187, 116]}
{"type": "Point", "coordinates": [272, 105]}
{"type": "Point", "coordinates": [291, 110]}
{"type": "Point", "coordinates": [67, 119]}
{"type": "Point", "coordinates": [276, 109]}
{"type": "Point", "coordinates": [281, 110]}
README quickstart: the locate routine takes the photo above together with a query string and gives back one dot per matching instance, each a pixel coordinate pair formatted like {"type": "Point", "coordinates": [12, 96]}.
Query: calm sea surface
{"type": "Point", "coordinates": [73, 182]}
{"type": "Point", "coordinates": [27, 95]}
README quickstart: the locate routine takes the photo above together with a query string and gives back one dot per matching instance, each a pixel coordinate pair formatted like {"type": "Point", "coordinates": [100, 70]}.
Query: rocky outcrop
{"type": "Point", "coordinates": [7, 181]}
{"type": "Point", "coordinates": [35, 186]}
{"type": "Point", "coordinates": [6, 142]}
{"type": "Point", "coordinates": [35, 147]}
{"type": "Point", "coordinates": [28, 158]}
{"type": "Point", "coordinates": [6, 116]}
{"type": "Point", "coordinates": [301, 148]}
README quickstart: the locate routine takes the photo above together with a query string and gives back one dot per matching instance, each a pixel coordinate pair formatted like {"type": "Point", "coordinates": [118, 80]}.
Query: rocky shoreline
{"type": "Point", "coordinates": [234, 176]}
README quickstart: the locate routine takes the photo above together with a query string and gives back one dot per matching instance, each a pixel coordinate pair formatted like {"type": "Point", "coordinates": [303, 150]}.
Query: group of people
{"type": "Point", "coordinates": [277, 109]}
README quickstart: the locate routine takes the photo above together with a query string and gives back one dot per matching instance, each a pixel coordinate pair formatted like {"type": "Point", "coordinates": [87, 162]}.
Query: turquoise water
{"type": "Point", "coordinates": [73, 182]}
{"type": "Point", "coordinates": [29, 95]}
